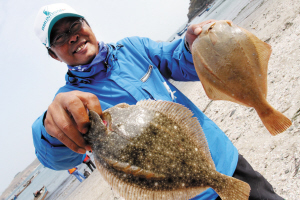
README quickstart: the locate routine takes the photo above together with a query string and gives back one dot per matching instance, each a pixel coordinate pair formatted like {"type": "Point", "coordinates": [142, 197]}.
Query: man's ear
{"type": "Point", "coordinates": [53, 55]}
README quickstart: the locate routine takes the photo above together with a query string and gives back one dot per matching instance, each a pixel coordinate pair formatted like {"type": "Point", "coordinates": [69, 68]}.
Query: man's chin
{"type": "Point", "coordinates": [88, 60]}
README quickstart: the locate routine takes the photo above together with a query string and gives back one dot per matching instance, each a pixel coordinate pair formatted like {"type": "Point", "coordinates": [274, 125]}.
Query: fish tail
{"type": "Point", "coordinates": [274, 120]}
{"type": "Point", "coordinates": [233, 189]}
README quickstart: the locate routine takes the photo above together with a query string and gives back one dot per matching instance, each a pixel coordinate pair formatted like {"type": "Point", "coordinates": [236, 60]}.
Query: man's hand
{"type": "Point", "coordinates": [67, 118]}
{"type": "Point", "coordinates": [194, 30]}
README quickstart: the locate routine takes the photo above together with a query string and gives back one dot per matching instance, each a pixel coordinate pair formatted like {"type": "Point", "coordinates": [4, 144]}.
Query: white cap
{"type": "Point", "coordinates": [48, 16]}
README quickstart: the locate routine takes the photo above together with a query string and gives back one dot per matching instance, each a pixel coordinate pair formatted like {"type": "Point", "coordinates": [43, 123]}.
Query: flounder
{"type": "Point", "coordinates": [232, 65]}
{"type": "Point", "coordinates": [156, 150]}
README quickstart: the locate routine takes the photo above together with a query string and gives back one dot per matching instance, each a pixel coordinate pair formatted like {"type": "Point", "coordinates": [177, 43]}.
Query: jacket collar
{"type": "Point", "coordinates": [98, 58]}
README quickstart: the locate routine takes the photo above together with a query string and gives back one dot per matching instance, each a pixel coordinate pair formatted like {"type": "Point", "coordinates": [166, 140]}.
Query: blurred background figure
{"type": "Point", "coordinates": [74, 171]}
{"type": "Point", "coordinates": [86, 173]}
{"type": "Point", "coordinates": [87, 160]}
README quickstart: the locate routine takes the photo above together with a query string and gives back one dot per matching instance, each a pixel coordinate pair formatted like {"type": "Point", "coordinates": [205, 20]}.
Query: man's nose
{"type": "Point", "coordinates": [73, 38]}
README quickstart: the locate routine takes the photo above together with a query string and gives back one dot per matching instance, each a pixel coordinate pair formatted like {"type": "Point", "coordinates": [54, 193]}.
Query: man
{"type": "Point", "coordinates": [87, 160]}
{"type": "Point", "coordinates": [74, 171]}
{"type": "Point", "coordinates": [102, 75]}
{"type": "Point", "coordinates": [86, 173]}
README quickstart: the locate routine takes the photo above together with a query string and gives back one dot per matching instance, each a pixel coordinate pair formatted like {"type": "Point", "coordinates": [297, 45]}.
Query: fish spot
{"type": "Point", "coordinates": [170, 180]}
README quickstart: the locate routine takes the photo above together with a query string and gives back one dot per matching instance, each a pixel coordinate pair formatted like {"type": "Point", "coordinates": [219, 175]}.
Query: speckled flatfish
{"type": "Point", "coordinates": [156, 150]}
{"type": "Point", "coordinates": [232, 65]}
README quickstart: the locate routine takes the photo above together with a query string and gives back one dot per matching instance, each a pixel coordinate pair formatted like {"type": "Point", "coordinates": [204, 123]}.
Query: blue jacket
{"type": "Point", "coordinates": [137, 69]}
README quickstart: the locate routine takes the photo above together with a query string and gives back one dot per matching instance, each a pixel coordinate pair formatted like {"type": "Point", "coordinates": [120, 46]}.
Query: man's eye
{"type": "Point", "coordinates": [75, 27]}
{"type": "Point", "coordinates": [59, 38]}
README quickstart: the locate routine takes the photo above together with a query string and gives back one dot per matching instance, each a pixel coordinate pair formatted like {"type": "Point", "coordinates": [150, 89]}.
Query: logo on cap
{"type": "Point", "coordinates": [46, 12]}
{"type": "Point", "coordinates": [50, 15]}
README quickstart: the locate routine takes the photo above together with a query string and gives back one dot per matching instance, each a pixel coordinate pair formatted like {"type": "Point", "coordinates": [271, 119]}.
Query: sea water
{"type": "Point", "coordinates": [61, 182]}
{"type": "Point", "coordinates": [56, 182]}
{"type": "Point", "coordinates": [223, 10]}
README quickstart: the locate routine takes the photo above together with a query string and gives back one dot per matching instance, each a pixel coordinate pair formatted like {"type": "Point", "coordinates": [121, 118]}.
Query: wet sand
{"type": "Point", "coordinates": [277, 158]}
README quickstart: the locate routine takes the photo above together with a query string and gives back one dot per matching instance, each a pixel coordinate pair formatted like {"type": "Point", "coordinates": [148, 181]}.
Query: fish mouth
{"type": "Point", "coordinates": [210, 26]}
{"type": "Point", "coordinates": [207, 27]}
{"type": "Point", "coordinates": [106, 119]}
{"type": "Point", "coordinates": [228, 22]}
{"type": "Point", "coordinates": [105, 122]}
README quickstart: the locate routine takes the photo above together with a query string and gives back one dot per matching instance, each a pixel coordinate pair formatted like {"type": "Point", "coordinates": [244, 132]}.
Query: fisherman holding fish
{"type": "Point", "coordinates": [103, 75]}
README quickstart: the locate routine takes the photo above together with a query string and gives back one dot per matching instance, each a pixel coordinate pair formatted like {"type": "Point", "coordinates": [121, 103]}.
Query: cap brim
{"type": "Point", "coordinates": [55, 19]}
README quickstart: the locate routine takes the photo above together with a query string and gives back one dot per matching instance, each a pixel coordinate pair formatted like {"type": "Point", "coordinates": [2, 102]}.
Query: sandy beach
{"type": "Point", "coordinates": [277, 158]}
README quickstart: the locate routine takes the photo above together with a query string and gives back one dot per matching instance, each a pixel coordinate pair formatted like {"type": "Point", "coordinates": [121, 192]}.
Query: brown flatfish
{"type": "Point", "coordinates": [156, 150]}
{"type": "Point", "coordinates": [232, 65]}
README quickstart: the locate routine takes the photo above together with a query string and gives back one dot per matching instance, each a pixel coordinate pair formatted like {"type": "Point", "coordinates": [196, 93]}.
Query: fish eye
{"type": "Point", "coordinates": [211, 27]}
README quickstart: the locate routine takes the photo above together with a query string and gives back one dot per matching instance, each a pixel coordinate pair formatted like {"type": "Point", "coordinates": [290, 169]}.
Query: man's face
{"type": "Point", "coordinates": [81, 47]}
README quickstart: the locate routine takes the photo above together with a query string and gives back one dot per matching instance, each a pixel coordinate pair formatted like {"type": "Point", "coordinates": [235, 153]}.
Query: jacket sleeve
{"type": "Point", "coordinates": [50, 151]}
{"type": "Point", "coordinates": [172, 58]}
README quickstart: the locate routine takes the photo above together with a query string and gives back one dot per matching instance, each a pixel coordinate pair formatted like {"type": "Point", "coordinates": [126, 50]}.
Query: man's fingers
{"type": "Point", "coordinates": [56, 132]}
{"type": "Point", "coordinates": [77, 111]}
{"type": "Point", "coordinates": [78, 104]}
{"type": "Point", "coordinates": [196, 29]}
{"type": "Point", "coordinates": [64, 129]}
{"type": "Point", "coordinates": [70, 143]}
{"type": "Point", "coordinates": [67, 118]}
{"type": "Point", "coordinates": [91, 101]}
{"type": "Point", "coordinates": [69, 129]}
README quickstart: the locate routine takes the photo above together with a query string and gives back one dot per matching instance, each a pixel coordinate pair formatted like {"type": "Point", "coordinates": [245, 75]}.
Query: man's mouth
{"type": "Point", "coordinates": [80, 47]}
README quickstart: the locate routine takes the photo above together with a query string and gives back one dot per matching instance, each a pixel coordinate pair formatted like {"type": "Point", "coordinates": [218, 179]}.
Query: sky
{"type": "Point", "coordinates": [30, 78]}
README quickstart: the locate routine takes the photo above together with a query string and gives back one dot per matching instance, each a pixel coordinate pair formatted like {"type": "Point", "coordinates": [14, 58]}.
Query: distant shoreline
{"type": "Point", "coordinates": [19, 179]}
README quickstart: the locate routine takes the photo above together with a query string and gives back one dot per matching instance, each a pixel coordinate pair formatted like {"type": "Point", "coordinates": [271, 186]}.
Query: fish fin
{"type": "Point", "coordinates": [213, 37]}
{"type": "Point", "coordinates": [183, 116]}
{"type": "Point", "coordinates": [122, 105]}
{"type": "Point", "coordinates": [213, 93]}
{"type": "Point", "coordinates": [132, 169]}
{"type": "Point", "coordinates": [274, 120]}
{"type": "Point", "coordinates": [264, 51]}
{"type": "Point", "coordinates": [233, 189]}
{"type": "Point", "coordinates": [133, 192]}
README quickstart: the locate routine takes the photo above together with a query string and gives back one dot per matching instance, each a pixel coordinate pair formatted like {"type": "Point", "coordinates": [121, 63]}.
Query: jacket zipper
{"type": "Point", "coordinates": [147, 75]}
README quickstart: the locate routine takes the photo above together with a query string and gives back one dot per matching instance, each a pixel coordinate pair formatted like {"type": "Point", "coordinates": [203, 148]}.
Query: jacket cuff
{"type": "Point", "coordinates": [186, 51]}
{"type": "Point", "coordinates": [186, 45]}
{"type": "Point", "coordinates": [45, 136]}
